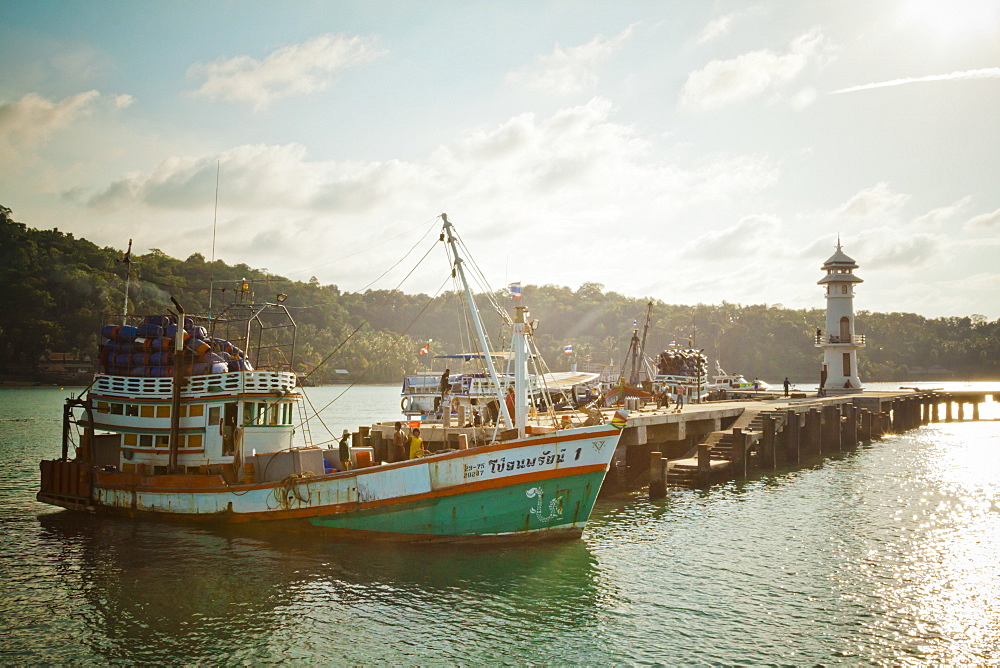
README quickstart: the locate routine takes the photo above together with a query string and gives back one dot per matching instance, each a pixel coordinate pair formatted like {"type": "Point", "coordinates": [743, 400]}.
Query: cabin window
{"type": "Point", "coordinates": [146, 411]}
{"type": "Point", "coordinates": [273, 414]}
{"type": "Point", "coordinates": [102, 407]}
{"type": "Point", "coordinates": [162, 411]}
{"type": "Point", "coordinates": [196, 410]}
{"type": "Point", "coordinates": [194, 441]}
{"type": "Point", "coordinates": [132, 410]}
{"type": "Point", "coordinates": [130, 439]}
{"type": "Point", "coordinates": [847, 364]}
{"type": "Point", "coordinates": [214, 413]}
{"type": "Point", "coordinates": [145, 440]}
{"type": "Point", "coordinates": [286, 414]}
{"type": "Point", "coordinates": [181, 439]}
{"type": "Point", "coordinates": [248, 412]}
{"type": "Point", "coordinates": [843, 289]}
{"type": "Point", "coordinates": [182, 411]}
{"type": "Point", "coordinates": [116, 409]}
{"type": "Point", "coordinates": [162, 441]}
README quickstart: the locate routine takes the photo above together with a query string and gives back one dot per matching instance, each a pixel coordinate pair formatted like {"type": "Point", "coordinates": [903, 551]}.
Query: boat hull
{"type": "Point", "coordinates": [542, 486]}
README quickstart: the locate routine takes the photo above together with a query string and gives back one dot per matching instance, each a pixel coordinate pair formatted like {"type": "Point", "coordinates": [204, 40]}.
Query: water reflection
{"type": "Point", "coordinates": [158, 592]}
{"type": "Point", "coordinates": [939, 580]}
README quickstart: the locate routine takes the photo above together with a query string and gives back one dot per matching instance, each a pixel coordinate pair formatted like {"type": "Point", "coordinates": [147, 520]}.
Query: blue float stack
{"type": "Point", "coordinates": [148, 350]}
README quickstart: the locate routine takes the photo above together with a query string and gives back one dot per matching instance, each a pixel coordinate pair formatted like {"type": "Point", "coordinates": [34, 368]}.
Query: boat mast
{"type": "Point", "coordinates": [474, 312]}
{"type": "Point", "coordinates": [127, 260]}
{"type": "Point", "coordinates": [520, 344]}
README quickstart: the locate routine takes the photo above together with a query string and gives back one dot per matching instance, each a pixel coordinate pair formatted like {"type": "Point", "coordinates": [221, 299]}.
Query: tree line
{"type": "Point", "coordinates": [60, 290]}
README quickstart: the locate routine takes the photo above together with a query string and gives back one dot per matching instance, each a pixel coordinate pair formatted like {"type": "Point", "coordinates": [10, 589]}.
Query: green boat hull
{"type": "Point", "coordinates": [557, 505]}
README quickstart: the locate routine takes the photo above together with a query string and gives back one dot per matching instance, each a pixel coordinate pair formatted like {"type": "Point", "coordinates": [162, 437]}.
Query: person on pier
{"type": "Point", "coordinates": [399, 443]}
{"type": "Point", "coordinates": [509, 400]}
{"type": "Point", "coordinates": [345, 451]}
{"type": "Point", "coordinates": [416, 444]}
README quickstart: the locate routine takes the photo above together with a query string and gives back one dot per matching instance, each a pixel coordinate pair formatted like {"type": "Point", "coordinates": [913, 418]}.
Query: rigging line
{"type": "Point", "coordinates": [412, 248]}
{"type": "Point", "coordinates": [395, 342]}
{"type": "Point", "coordinates": [484, 284]}
{"type": "Point", "coordinates": [312, 407]}
{"type": "Point", "coordinates": [365, 322]}
{"type": "Point", "coordinates": [363, 250]}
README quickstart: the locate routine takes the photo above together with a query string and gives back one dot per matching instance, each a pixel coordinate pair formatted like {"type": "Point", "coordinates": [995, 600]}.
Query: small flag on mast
{"type": "Point", "coordinates": [568, 349]}
{"type": "Point", "coordinates": [425, 350]}
{"type": "Point", "coordinates": [515, 290]}
{"type": "Point", "coordinates": [635, 323]}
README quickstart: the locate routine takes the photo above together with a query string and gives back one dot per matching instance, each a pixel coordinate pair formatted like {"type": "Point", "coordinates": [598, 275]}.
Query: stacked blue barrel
{"type": "Point", "coordinates": [149, 349]}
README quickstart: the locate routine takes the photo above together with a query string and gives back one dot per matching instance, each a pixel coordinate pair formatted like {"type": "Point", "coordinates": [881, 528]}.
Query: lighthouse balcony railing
{"type": "Point", "coordinates": [855, 340]}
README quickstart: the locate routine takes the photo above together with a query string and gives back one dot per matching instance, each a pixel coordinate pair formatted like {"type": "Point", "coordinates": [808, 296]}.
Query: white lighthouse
{"type": "Point", "coordinates": [839, 342]}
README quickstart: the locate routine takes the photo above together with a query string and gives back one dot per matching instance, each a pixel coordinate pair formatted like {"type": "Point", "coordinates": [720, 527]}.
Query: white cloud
{"type": "Point", "coordinates": [982, 73]}
{"type": "Point", "coordinates": [123, 101]}
{"type": "Point", "coordinates": [258, 177]}
{"type": "Point", "coordinates": [878, 200]}
{"type": "Point", "coordinates": [568, 71]}
{"type": "Point", "coordinates": [941, 215]}
{"type": "Point", "coordinates": [724, 82]}
{"type": "Point", "coordinates": [297, 69]}
{"type": "Point", "coordinates": [753, 236]}
{"type": "Point", "coordinates": [553, 179]}
{"type": "Point", "coordinates": [29, 122]}
{"type": "Point", "coordinates": [716, 28]}
{"type": "Point", "coordinates": [885, 248]}
{"type": "Point", "coordinates": [985, 221]}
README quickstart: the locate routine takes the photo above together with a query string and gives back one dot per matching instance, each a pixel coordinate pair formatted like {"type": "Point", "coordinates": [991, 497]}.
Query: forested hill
{"type": "Point", "coordinates": [60, 290]}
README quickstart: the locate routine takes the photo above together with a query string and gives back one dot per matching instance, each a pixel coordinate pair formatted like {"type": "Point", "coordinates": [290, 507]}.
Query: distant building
{"type": "Point", "coordinates": [65, 368]}
{"type": "Point", "coordinates": [839, 342]}
{"type": "Point", "coordinates": [932, 373]}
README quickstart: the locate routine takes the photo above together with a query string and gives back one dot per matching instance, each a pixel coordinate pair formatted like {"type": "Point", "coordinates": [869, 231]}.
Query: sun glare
{"type": "Point", "coordinates": [950, 18]}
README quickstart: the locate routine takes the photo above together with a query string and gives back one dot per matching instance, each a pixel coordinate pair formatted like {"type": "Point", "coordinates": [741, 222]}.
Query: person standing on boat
{"type": "Point", "coordinates": [345, 451]}
{"type": "Point", "coordinates": [509, 400]}
{"type": "Point", "coordinates": [680, 398]}
{"type": "Point", "coordinates": [416, 444]}
{"type": "Point", "coordinates": [787, 385]}
{"type": "Point", "coordinates": [399, 442]}
{"type": "Point", "coordinates": [445, 388]}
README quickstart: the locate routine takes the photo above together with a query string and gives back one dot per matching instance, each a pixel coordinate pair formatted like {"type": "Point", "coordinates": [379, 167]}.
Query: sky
{"type": "Point", "coordinates": [689, 151]}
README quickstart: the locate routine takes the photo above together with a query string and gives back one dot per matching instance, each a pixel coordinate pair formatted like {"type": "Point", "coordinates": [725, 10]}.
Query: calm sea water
{"type": "Point", "coordinates": [887, 555]}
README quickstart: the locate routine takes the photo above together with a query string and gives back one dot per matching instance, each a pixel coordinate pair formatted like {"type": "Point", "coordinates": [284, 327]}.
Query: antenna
{"type": "Point", "coordinates": [127, 261]}
{"type": "Point", "coordinates": [215, 222]}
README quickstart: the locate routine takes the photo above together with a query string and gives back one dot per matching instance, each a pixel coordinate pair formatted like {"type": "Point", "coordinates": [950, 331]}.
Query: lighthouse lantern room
{"type": "Point", "coordinates": [840, 344]}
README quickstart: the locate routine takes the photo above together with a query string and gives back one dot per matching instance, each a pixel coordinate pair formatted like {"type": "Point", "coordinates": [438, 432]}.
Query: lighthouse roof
{"type": "Point", "coordinates": [839, 278]}
{"type": "Point", "coordinates": [840, 268]}
{"type": "Point", "coordinates": [841, 260]}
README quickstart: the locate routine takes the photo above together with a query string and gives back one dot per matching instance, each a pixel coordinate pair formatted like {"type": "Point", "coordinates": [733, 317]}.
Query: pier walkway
{"type": "Point", "coordinates": [716, 441]}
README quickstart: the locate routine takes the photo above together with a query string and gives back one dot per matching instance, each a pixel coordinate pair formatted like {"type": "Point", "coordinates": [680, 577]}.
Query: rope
{"type": "Point", "coordinates": [396, 341]}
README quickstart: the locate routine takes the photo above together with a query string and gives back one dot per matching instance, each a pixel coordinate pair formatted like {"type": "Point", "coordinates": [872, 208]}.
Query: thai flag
{"type": "Point", "coordinates": [425, 350]}
{"type": "Point", "coordinates": [672, 344]}
{"type": "Point", "coordinates": [515, 290]}
{"type": "Point", "coordinates": [635, 323]}
{"type": "Point", "coordinates": [568, 349]}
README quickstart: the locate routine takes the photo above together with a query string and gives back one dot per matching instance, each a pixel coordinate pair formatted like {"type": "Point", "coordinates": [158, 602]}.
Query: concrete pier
{"type": "Point", "coordinates": [717, 441]}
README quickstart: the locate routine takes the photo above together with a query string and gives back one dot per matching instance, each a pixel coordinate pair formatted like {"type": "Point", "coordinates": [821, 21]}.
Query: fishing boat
{"type": "Point", "coordinates": [472, 388]}
{"type": "Point", "coordinates": [192, 419]}
{"type": "Point", "coordinates": [737, 381]}
{"type": "Point", "coordinates": [681, 371]}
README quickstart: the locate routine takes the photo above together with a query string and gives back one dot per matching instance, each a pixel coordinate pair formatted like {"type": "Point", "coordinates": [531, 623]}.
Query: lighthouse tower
{"type": "Point", "coordinates": [839, 342]}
